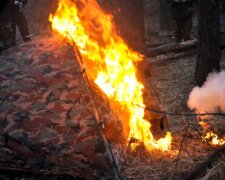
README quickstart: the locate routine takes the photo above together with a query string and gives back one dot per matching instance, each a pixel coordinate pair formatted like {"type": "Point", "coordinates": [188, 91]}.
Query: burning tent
{"type": "Point", "coordinates": [54, 105]}
{"type": "Point", "coordinates": [110, 63]}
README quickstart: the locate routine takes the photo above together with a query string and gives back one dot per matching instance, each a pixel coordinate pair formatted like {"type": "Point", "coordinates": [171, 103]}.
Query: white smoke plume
{"type": "Point", "coordinates": [210, 96]}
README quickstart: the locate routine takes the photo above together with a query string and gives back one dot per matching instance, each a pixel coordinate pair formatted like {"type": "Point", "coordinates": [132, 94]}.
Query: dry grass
{"type": "Point", "coordinates": [172, 80]}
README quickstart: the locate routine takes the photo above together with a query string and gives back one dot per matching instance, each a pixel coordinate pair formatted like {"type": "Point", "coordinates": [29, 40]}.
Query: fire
{"type": "Point", "coordinates": [210, 136]}
{"type": "Point", "coordinates": [109, 61]}
{"type": "Point", "coordinates": [213, 139]}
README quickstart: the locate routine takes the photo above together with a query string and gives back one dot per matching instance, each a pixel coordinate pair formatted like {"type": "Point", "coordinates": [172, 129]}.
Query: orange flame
{"type": "Point", "coordinates": [213, 139]}
{"type": "Point", "coordinates": [210, 136]}
{"type": "Point", "coordinates": [110, 62]}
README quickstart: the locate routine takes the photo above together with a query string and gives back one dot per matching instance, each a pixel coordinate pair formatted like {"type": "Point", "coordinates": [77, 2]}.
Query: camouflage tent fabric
{"type": "Point", "coordinates": [47, 121]}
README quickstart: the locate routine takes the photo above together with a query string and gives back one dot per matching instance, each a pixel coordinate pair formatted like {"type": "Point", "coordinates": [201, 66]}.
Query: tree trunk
{"type": "Point", "coordinates": [129, 20]}
{"type": "Point", "coordinates": [171, 47]}
{"type": "Point", "coordinates": [209, 40]}
{"type": "Point", "coordinates": [166, 23]}
{"type": "Point", "coordinates": [223, 6]}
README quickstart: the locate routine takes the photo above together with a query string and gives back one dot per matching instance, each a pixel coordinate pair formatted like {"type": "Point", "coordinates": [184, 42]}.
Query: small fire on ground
{"type": "Point", "coordinates": [112, 62]}
{"type": "Point", "coordinates": [210, 136]}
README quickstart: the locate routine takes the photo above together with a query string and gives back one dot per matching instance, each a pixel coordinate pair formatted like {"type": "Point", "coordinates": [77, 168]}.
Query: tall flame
{"type": "Point", "coordinates": [110, 60]}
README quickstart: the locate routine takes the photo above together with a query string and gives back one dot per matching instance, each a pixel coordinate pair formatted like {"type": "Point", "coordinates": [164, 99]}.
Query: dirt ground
{"type": "Point", "coordinates": [172, 80]}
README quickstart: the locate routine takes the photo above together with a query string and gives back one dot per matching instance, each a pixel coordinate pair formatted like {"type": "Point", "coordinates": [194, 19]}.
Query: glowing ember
{"type": "Point", "coordinates": [109, 61]}
{"type": "Point", "coordinates": [204, 125]}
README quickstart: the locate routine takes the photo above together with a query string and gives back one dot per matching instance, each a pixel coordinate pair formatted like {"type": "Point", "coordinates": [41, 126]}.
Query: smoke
{"type": "Point", "coordinates": [210, 96]}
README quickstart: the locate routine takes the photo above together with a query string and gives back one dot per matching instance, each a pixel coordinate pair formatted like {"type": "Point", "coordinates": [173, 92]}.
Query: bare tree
{"type": "Point", "coordinates": [129, 19]}
{"type": "Point", "coordinates": [208, 58]}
